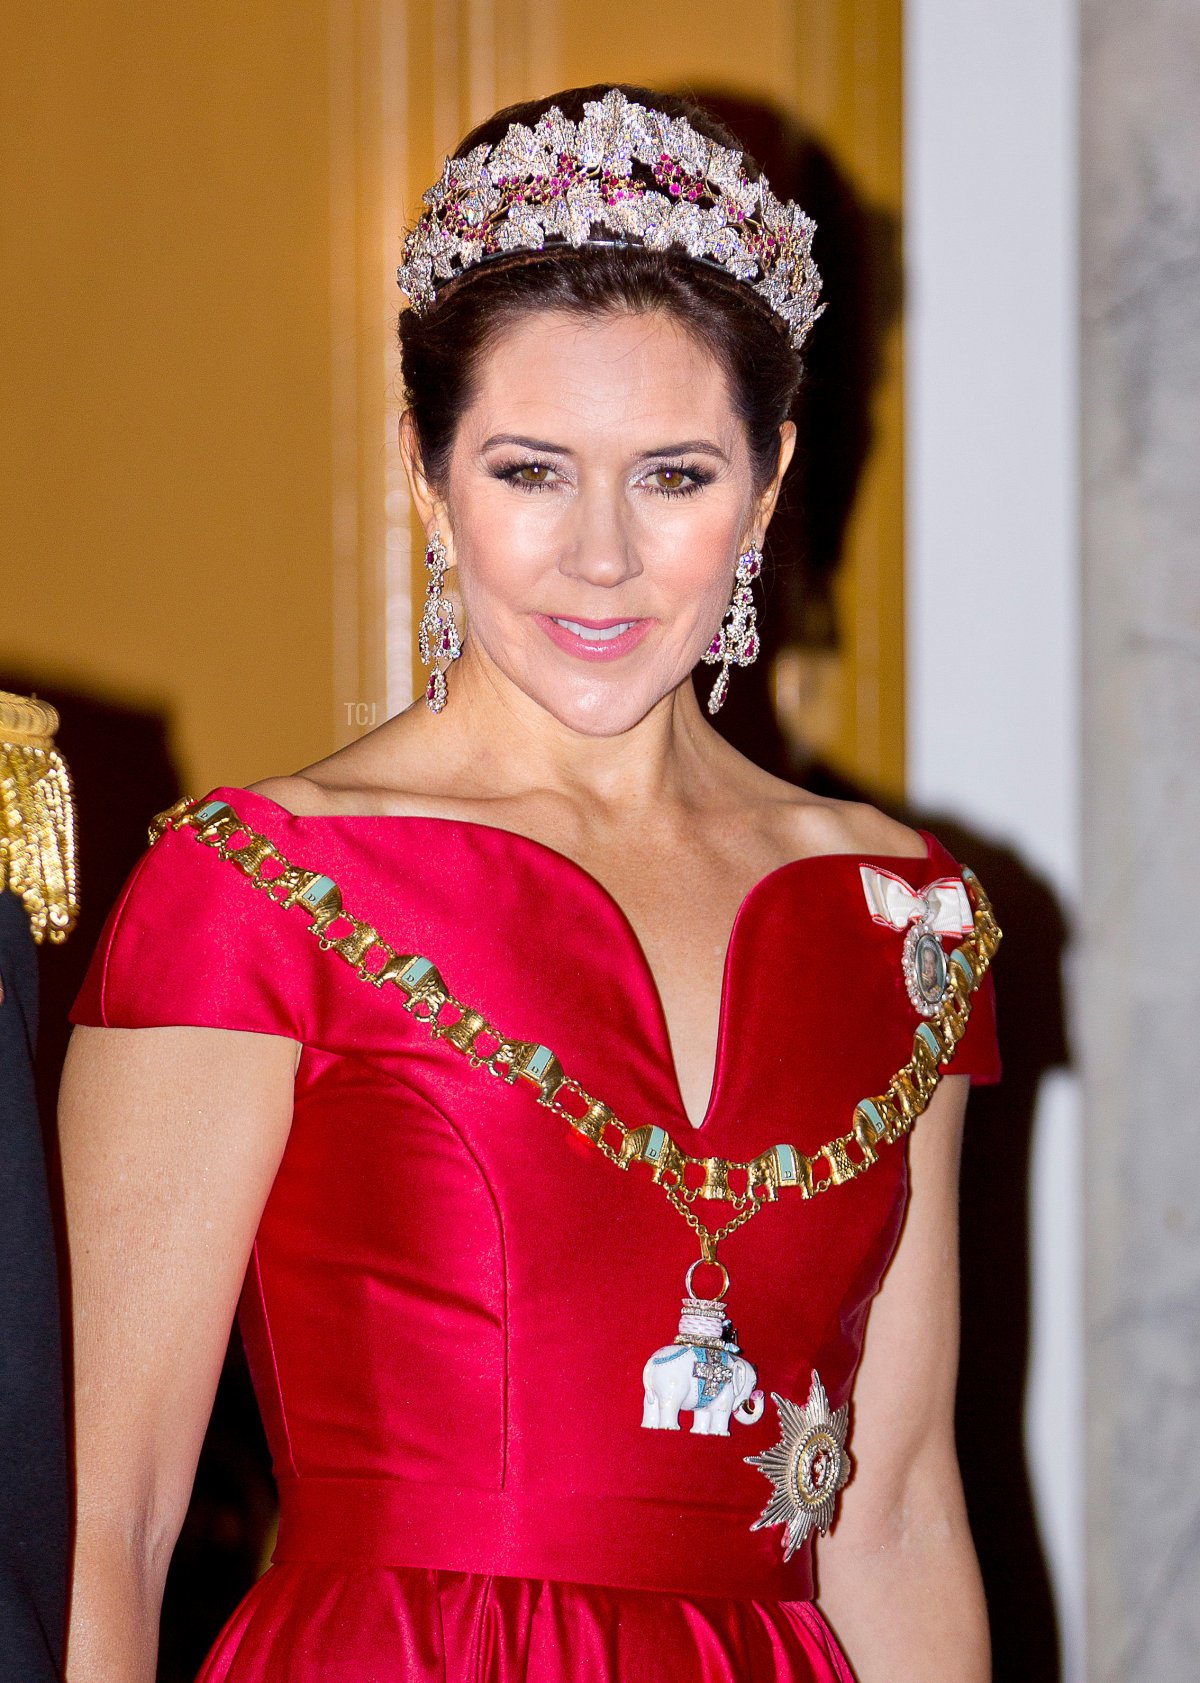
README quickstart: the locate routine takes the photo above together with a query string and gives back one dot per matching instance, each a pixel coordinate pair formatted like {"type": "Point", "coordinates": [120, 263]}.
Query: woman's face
{"type": "Point", "coordinates": [598, 494]}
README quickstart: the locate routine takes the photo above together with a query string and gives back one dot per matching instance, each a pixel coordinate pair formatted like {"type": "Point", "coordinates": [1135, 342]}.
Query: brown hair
{"type": "Point", "coordinates": [441, 349]}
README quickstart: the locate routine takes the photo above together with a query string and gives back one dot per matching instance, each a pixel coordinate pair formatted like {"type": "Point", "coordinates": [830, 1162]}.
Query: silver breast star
{"type": "Point", "coordinates": [808, 1466]}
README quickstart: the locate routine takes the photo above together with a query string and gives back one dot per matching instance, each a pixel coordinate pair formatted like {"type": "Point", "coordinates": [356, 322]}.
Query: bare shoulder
{"type": "Point", "coordinates": [297, 794]}
{"type": "Point", "coordinates": [325, 788]}
{"type": "Point", "coordinates": [816, 824]}
{"type": "Point", "coordinates": [858, 827]}
{"type": "Point", "coordinates": [355, 781]}
{"type": "Point", "coordinates": [390, 771]}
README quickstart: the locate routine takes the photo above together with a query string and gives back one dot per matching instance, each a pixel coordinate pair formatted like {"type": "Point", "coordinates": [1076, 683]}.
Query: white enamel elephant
{"type": "Point", "coordinates": [709, 1384]}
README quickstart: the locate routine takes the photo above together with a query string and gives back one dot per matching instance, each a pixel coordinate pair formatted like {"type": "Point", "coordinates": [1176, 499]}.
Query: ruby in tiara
{"type": "Point", "coordinates": [562, 182]}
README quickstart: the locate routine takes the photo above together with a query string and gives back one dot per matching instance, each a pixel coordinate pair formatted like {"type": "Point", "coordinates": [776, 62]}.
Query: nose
{"type": "Point", "coordinates": [599, 545]}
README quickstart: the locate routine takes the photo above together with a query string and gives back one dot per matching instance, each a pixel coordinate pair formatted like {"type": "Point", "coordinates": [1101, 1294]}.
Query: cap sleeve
{"type": "Point", "coordinates": [978, 1052]}
{"type": "Point", "coordinates": [190, 941]}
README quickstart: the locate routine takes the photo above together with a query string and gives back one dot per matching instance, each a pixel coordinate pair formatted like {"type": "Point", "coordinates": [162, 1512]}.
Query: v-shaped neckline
{"type": "Point", "coordinates": [596, 887]}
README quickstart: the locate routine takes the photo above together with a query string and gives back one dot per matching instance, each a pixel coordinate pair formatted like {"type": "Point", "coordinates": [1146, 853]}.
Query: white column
{"type": "Point", "coordinates": [1140, 929]}
{"type": "Point", "coordinates": [992, 570]}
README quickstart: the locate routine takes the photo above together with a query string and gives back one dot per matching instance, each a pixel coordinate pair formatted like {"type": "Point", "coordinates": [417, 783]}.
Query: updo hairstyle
{"type": "Point", "coordinates": [442, 348]}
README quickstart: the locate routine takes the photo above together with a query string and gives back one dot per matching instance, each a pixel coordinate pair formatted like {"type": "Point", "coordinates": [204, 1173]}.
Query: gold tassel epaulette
{"type": "Point", "coordinates": [38, 861]}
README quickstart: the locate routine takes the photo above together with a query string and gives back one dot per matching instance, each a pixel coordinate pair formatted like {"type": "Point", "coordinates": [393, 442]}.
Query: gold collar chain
{"type": "Point", "coordinates": [747, 1186]}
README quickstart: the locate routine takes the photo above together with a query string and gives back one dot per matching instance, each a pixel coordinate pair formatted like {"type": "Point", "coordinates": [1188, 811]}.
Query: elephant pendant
{"type": "Point", "coordinates": [702, 1373]}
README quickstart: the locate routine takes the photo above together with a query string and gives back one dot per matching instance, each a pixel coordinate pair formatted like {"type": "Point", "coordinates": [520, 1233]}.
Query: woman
{"type": "Point", "coordinates": [567, 939]}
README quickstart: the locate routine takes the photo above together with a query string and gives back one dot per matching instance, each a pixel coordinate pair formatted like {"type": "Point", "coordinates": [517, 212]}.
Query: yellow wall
{"type": "Point", "coordinates": [165, 341]}
{"type": "Point", "coordinates": [200, 208]}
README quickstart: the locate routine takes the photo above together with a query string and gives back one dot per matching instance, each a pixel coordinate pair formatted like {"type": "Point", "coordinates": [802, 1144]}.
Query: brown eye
{"type": "Point", "coordinates": [670, 479]}
{"type": "Point", "coordinates": [533, 473]}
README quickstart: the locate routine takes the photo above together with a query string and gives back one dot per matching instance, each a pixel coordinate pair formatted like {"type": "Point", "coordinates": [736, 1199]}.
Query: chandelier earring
{"type": "Point", "coordinates": [437, 637]}
{"type": "Point", "coordinates": [736, 641]}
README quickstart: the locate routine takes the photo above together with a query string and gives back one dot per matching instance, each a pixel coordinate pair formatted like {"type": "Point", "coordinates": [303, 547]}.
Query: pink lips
{"type": "Point", "coordinates": [607, 648]}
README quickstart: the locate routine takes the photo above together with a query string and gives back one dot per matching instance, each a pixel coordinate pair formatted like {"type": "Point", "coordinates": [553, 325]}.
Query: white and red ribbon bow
{"type": "Point", "coordinates": [894, 902]}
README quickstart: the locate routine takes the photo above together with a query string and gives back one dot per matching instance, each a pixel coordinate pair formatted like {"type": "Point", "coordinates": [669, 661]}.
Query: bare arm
{"type": "Point", "coordinates": [899, 1578]}
{"type": "Point", "coordinates": [170, 1141]}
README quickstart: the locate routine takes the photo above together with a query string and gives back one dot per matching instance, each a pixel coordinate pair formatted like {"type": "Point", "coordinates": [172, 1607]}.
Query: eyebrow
{"type": "Point", "coordinates": [689, 447]}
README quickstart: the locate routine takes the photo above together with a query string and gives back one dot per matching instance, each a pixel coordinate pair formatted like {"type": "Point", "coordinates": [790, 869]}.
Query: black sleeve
{"type": "Point", "coordinates": [33, 1469]}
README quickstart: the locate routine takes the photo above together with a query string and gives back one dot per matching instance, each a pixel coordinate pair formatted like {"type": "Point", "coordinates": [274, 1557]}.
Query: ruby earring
{"type": "Point", "coordinates": [437, 636]}
{"type": "Point", "coordinates": [736, 641]}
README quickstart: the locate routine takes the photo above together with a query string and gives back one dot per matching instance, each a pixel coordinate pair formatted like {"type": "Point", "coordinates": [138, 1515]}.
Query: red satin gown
{"type": "Point", "coordinates": [451, 1295]}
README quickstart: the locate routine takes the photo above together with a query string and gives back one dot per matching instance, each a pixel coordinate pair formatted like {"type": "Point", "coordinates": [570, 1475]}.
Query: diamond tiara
{"type": "Point", "coordinates": [573, 184]}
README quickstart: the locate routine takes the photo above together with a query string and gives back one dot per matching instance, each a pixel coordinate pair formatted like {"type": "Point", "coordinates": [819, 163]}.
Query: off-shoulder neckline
{"type": "Point", "coordinates": [860, 855]}
{"type": "Point", "coordinates": [598, 889]}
